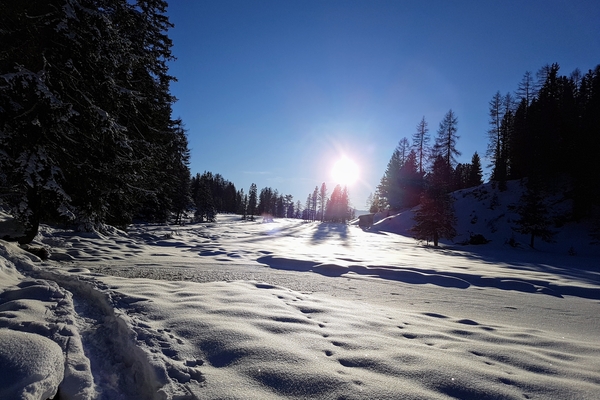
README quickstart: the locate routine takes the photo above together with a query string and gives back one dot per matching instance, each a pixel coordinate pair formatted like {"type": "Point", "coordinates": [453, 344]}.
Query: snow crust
{"type": "Point", "coordinates": [294, 310]}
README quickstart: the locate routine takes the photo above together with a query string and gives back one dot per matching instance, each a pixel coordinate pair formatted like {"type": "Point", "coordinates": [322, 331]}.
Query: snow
{"type": "Point", "coordinates": [296, 310]}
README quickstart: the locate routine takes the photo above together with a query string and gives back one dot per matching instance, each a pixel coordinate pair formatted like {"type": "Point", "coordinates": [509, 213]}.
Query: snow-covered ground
{"type": "Point", "coordinates": [295, 310]}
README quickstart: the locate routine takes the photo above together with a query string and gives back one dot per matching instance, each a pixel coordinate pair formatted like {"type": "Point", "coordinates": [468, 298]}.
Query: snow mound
{"type": "Point", "coordinates": [40, 313]}
{"type": "Point", "coordinates": [32, 365]}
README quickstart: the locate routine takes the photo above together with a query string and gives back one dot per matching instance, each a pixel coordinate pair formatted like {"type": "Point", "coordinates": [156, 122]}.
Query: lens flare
{"type": "Point", "coordinates": [345, 172]}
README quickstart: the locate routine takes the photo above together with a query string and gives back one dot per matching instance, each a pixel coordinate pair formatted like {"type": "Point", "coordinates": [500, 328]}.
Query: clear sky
{"type": "Point", "coordinates": [274, 92]}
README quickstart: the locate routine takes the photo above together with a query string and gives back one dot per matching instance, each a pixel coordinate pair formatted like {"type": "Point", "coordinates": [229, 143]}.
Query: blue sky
{"type": "Point", "coordinates": [274, 92]}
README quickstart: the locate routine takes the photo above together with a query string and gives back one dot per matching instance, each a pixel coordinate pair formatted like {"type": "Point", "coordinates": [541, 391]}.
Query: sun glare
{"type": "Point", "coordinates": [345, 172]}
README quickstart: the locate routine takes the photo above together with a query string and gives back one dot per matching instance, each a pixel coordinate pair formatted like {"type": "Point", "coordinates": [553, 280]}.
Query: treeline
{"type": "Point", "coordinates": [211, 194]}
{"type": "Point", "coordinates": [411, 168]}
{"type": "Point", "coordinates": [87, 135]}
{"type": "Point", "coordinates": [336, 208]}
{"type": "Point", "coordinates": [548, 130]}
{"type": "Point", "coordinates": [420, 173]}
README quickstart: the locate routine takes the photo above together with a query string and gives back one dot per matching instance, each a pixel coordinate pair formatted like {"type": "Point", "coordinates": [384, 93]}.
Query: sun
{"type": "Point", "coordinates": [345, 172]}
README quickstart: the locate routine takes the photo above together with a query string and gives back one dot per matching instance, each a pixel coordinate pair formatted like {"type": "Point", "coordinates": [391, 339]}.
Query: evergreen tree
{"type": "Point", "coordinates": [252, 201]}
{"type": "Point", "coordinates": [322, 200]}
{"type": "Point", "coordinates": [534, 220]}
{"type": "Point", "coordinates": [461, 176]}
{"type": "Point", "coordinates": [410, 182]}
{"type": "Point", "coordinates": [87, 133]}
{"type": "Point", "coordinates": [434, 219]}
{"type": "Point", "coordinates": [475, 172]}
{"type": "Point", "coordinates": [314, 200]}
{"type": "Point", "coordinates": [389, 187]}
{"type": "Point", "coordinates": [203, 199]}
{"type": "Point", "coordinates": [338, 209]}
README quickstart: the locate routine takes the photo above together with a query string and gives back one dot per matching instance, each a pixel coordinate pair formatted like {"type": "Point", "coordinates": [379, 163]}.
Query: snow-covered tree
{"type": "Point", "coordinates": [86, 132]}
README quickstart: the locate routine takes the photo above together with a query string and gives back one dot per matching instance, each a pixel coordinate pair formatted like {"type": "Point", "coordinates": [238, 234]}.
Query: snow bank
{"type": "Point", "coordinates": [41, 347]}
{"type": "Point", "coordinates": [33, 366]}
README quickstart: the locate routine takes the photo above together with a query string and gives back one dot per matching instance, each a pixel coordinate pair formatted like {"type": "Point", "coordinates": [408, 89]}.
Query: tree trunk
{"type": "Point", "coordinates": [531, 241]}
{"type": "Point", "coordinates": [33, 221]}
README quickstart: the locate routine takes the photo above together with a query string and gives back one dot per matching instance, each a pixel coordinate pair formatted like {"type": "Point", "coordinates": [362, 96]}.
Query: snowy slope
{"type": "Point", "coordinates": [488, 211]}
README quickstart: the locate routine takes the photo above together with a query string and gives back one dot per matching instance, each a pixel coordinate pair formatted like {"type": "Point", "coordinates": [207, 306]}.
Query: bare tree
{"type": "Point", "coordinates": [445, 143]}
{"type": "Point", "coordinates": [420, 143]}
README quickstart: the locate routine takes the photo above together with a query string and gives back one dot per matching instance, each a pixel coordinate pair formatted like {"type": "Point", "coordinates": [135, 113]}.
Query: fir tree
{"type": "Point", "coordinates": [410, 182]}
{"type": "Point", "coordinates": [534, 219]}
{"type": "Point", "coordinates": [87, 133]}
{"type": "Point", "coordinates": [389, 187]}
{"type": "Point", "coordinates": [434, 219]}
{"type": "Point", "coordinates": [338, 209]}
{"type": "Point", "coordinates": [475, 172]}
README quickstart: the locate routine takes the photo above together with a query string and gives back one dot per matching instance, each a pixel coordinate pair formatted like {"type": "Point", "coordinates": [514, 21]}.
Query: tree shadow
{"type": "Point", "coordinates": [327, 231]}
{"type": "Point", "coordinates": [459, 279]}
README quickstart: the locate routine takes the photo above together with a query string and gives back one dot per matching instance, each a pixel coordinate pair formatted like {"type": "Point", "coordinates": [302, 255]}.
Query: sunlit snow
{"type": "Point", "coordinates": [295, 310]}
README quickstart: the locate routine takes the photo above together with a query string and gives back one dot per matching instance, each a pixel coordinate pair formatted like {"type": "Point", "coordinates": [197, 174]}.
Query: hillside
{"type": "Point", "coordinates": [487, 211]}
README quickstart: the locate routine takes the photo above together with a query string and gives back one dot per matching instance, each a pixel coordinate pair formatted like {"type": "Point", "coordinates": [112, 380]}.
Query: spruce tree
{"type": "Point", "coordinates": [87, 133]}
{"type": "Point", "coordinates": [475, 172]}
{"type": "Point", "coordinates": [534, 217]}
{"type": "Point", "coordinates": [389, 187]}
{"type": "Point", "coordinates": [434, 219]}
{"type": "Point", "coordinates": [252, 201]}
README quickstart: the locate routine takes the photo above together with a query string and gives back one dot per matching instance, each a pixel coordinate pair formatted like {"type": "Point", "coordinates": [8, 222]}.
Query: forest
{"type": "Point", "coordinates": [545, 133]}
{"type": "Point", "coordinates": [87, 136]}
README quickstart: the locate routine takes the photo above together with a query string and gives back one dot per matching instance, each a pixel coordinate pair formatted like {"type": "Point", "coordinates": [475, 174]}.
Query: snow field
{"type": "Point", "coordinates": [293, 310]}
